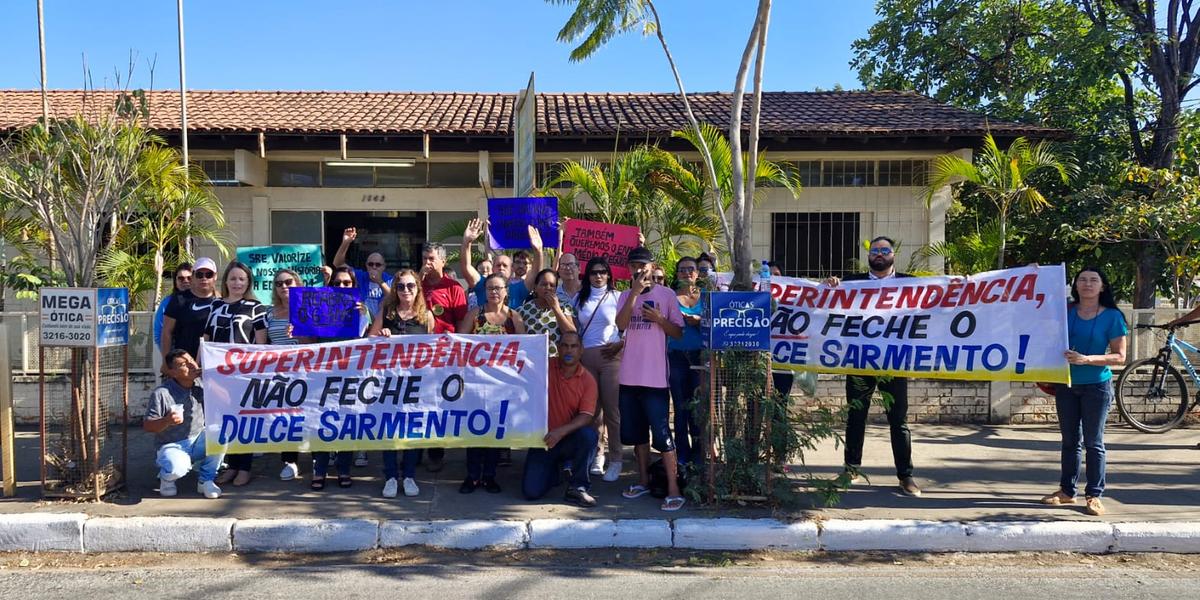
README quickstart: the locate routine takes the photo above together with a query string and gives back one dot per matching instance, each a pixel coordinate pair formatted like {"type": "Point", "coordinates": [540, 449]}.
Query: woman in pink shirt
{"type": "Point", "coordinates": [648, 314]}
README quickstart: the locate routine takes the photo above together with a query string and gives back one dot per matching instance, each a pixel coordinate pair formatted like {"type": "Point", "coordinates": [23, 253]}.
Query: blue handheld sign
{"type": "Point", "coordinates": [324, 312]}
{"type": "Point", "coordinates": [738, 321]}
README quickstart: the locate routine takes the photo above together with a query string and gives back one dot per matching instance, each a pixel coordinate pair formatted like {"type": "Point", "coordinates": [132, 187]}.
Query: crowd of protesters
{"type": "Point", "coordinates": [625, 366]}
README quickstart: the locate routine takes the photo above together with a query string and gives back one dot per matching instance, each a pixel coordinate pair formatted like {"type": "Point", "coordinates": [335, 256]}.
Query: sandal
{"type": "Point", "coordinates": [635, 491]}
{"type": "Point", "coordinates": [673, 503]}
{"type": "Point", "coordinates": [317, 484]}
{"type": "Point", "coordinates": [225, 477]}
{"type": "Point", "coordinates": [345, 481]}
{"type": "Point", "coordinates": [242, 478]}
{"type": "Point", "coordinates": [1057, 498]}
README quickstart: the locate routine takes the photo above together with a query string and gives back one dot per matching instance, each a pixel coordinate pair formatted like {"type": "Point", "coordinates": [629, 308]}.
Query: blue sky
{"type": "Point", "coordinates": [419, 45]}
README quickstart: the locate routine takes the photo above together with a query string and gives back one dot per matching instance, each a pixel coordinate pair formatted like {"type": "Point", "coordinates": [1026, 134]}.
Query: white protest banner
{"type": "Point", "coordinates": [413, 391]}
{"type": "Point", "coordinates": [1008, 325]}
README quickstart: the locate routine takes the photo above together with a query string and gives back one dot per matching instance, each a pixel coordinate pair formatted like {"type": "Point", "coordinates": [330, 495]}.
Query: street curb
{"type": "Point", "coordinates": [77, 532]}
{"type": "Point", "coordinates": [158, 534]}
{"type": "Point", "coordinates": [461, 535]}
{"type": "Point", "coordinates": [745, 534]}
{"type": "Point", "coordinates": [39, 532]}
{"type": "Point", "coordinates": [305, 535]}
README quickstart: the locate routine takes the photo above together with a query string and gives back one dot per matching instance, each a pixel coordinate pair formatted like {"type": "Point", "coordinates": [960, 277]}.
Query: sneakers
{"type": "Point", "coordinates": [360, 459]}
{"type": "Point", "coordinates": [290, 471]}
{"type": "Point", "coordinates": [1058, 497]}
{"type": "Point", "coordinates": [613, 472]}
{"type": "Point", "coordinates": [579, 497]}
{"type": "Point", "coordinates": [489, 484]}
{"type": "Point", "coordinates": [597, 468]}
{"type": "Point", "coordinates": [209, 489]}
{"type": "Point", "coordinates": [410, 487]}
{"type": "Point", "coordinates": [390, 488]}
{"type": "Point", "coordinates": [166, 488]}
{"type": "Point", "coordinates": [468, 486]}
{"type": "Point", "coordinates": [1094, 506]}
{"type": "Point", "coordinates": [908, 486]}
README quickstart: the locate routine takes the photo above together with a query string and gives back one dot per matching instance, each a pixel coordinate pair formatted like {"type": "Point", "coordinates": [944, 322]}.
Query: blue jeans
{"type": "Point", "coordinates": [176, 459]}
{"type": "Point", "coordinates": [684, 381]}
{"type": "Point", "coordinates": [542, 465]}
{"type": "Point", "coordinates": [1082, 411]}
{"type": "Point", "coordinates": [481, 463]}
{"type": "Point", "coordinates": [391, 468]}
{"type": "Point", "coordinates": [341, 461]}
{"type": "Point", "coordinates": [644, 416]}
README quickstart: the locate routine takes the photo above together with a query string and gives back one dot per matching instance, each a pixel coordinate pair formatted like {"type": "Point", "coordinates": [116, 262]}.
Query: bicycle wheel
{"type": "Point", "coordinates": [1151, 396]}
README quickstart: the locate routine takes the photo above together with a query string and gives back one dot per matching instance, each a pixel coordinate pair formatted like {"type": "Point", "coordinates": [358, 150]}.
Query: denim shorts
{"type": "Point", "coordinates": [645, 415]}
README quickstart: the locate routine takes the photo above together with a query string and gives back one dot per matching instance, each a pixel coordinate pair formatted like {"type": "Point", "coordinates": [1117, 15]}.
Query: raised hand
{"type": "Point", "coordinates": [473, 231]}
{"type": "Point", "coordinates": [535, 238]}
{"type": "Point", "coordinates": [349, 234]}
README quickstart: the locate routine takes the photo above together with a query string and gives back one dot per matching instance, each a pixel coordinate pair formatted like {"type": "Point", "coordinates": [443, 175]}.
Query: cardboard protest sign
{"type": "Point", "coordinates": [411, 391]}
{"type": "Point", "coordinates": [509, 218]}
{"type": "Point", "coordinates": [1008, 325]}
{"type": "Point", "coordinates": [265, 261]}
{"type": "Point", "coordinates": [324, 312]}
{"type": "Point", "coordinates": [586, 239]}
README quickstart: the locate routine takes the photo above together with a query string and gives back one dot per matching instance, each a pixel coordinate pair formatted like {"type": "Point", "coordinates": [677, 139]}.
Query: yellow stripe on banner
{"type": "Point", "coordinates": [1048, 375]}
{"type": "Point", "coordinates": [533, 440]}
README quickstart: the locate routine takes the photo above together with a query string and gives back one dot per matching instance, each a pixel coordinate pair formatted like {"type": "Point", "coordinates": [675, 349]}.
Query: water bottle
{"type": "Point", "coordinates": [764, 276]}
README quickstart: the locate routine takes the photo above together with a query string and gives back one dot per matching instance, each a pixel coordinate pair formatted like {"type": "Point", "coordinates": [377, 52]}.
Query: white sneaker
{"type": "Point", "coordinates": [360, 459]}
{"type": "Point", "coordinates": [390, 488]}
{"type": "Point", "coordinates": [166, 488]}
{"type": "Point", "coordinates": [613, 472]}
{"type": "Point", "coordinates": [290, 471]}
{"type": "Point", "coordinates": [597, 464]}
{"type": "Point", "coordinates": [209, 489]}
{"type": "Point", "coordinates": [410, 487]}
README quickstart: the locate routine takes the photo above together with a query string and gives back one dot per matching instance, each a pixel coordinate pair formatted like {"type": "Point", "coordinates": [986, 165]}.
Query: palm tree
{"type": "Point", "coordinates": [1003, 176]}
{"type": "Point", "coordinates": [173, 204]}
{"type": "Point", "coordinates": [972, 253]}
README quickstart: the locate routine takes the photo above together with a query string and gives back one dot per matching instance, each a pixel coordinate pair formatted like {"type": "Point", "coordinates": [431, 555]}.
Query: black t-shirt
{"type": "Point", "coordinates": [236, 322]}
{"type": "Point", "coordinates": [191, 316]}
{"type": "Point", "coordinates": [398, 326]}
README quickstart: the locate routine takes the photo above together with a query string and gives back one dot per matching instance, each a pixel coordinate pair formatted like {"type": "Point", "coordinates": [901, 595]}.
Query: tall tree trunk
{"type": "Point", "coordinates": [760, 60]}
{"type": "Point", "coordinates": [742, 246]}
{"type": "Point", "coordinates": [1148, 263]}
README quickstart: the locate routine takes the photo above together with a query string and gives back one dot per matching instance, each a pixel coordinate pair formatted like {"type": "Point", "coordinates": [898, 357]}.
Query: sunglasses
{"type": "Point", "coordinates": [659, 278]}
{"type": "Point", "coordinates": [686, 269]}
{"type": "Point", "coordinates": [282, 283]}
{"type": "Point", "coordinates": [597, 273]}
{"type": "Point", "coordinates": [183, 277]}
{"type": "Point", "coordinates": [880, 251]}
{"type": "Point", "coordinates": [375, 264]}
{"type": "Point", "coordinates": [342, 283]}
{"type": "Point", "coordinates": [204, 274]}
{"type": "Point", "coordinates": [411, 287]}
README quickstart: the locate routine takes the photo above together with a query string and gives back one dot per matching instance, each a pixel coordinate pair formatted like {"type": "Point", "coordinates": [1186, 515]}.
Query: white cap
{"type": "Point", "coordinates": [205, 263]}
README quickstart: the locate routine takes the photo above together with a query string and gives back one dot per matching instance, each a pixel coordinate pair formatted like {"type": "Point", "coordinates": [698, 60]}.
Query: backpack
{"type": "Point", "coordinates": [658, 480]}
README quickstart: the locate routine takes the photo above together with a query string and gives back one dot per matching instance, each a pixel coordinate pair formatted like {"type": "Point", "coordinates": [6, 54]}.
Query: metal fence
{"type": "Point", "coordinates": [22, 332]}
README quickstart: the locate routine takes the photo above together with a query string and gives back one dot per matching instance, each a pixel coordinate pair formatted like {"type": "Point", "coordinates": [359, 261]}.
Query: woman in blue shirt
{"type": "Point", "coordinates": [1096, 332]}
{"type": "Point", "coordinates": [682, 354]}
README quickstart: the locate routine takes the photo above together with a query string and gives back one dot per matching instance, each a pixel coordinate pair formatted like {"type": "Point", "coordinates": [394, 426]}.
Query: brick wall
{"type": "Point", "coordinates": [929, 401]}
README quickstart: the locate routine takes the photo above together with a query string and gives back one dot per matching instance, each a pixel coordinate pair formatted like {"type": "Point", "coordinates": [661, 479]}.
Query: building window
{"type": "Point", "coordinates": [348, 176]}
{"type": "Point", "coordinates": [848, 173]}
{"type": "Point", "coordinates": [293, 174]}
{"type": "Point", "coordinates": [903, 173]}
{"type": "Point", "coordinates": [815, 245]}
{"type": "Point", "coordinates": [502, 174]}
{"type": "Point", "coordinates": [453, 175]}
{"type": "Point", "coordinates": [400, 176]}
{"type": "Point", "coordinates": [219, 172]}
{"type": "Point", "coordinates": [296, 227]}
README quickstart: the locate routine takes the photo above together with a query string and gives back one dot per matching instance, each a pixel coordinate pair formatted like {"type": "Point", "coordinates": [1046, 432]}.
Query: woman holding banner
{"type": "Point", "coordinates": [494, 318]}
{"type": "Point", "coordinates": [1096, 333]}
{"type": "Point", "coordinates": [342, 277]}
{"type": "Point", "coordinates": [683, 354]}
{"type": "Point", "coordinates": [279, 333]}
{"type": "Point", "coordinates": [544, 313]}
{"type": "Point", "coordinates": [237, 318]}
{"type": "Point", "coordinates": [403, 312]}
{"type": "Point", "coordinates": [596, 318]}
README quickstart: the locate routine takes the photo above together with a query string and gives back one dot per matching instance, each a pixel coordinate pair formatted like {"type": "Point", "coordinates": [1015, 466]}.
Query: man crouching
{"type": "Point", "coordinates": [175, 415]}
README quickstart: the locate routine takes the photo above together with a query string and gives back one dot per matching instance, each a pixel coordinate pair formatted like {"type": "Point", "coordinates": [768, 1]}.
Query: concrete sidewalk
{"type": "Point", "coordinates": [968, 473]}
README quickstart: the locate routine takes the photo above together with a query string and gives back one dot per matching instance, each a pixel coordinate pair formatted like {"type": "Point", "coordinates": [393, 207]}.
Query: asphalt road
{"type": "Point", "coordinates": [829, 577]}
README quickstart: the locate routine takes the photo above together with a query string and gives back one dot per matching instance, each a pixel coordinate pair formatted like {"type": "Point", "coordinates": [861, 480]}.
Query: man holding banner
{"type": "Point", "coordinates": [860, 388]}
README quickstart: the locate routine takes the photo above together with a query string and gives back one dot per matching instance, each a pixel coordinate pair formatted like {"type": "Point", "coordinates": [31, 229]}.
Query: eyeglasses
{"type": "Point", "coordinates": [289, 282]}
{"type": "Point", "coordinates": [375, 264]}
{"type": "Point", "coordinates": [343, 283]}
{"type": "Point", "coordinates": [597, 273]}
{"type": "Point", "coordinates": [410, 287]}
{"type": "Point", "coordinates": [686, 269]}
{"type": "Point", "coordinates": [183, 277]}
{"type": "Point", "coordinates": [204, 274]}
{"type": "Point", "coordinates": [880, 251]}
{"type": "Point", "coordinates": [659, 278]}
{"type": "Point", "coordinates": [496, 288]}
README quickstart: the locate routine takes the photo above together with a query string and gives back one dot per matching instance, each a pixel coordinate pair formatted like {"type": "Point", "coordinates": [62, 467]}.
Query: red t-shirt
{"type": "Point", "coordinates": [570, 396]}
{"type": "Point", "coordinates": [448, 303]}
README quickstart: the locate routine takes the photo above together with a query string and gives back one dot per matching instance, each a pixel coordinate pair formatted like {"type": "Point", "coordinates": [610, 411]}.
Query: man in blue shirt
{"type": "Point", "coordinates": [375, 282]}
{"type": "Point", "coordinates": [518, 290]}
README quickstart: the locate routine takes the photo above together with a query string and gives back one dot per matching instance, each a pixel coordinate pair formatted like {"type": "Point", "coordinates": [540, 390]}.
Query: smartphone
{"type": "Point", "coordinates": [648, 304]}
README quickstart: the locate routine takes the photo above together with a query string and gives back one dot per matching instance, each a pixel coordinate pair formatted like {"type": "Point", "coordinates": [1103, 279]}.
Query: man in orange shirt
{"type": "Point", "coordinates": [571, 407]}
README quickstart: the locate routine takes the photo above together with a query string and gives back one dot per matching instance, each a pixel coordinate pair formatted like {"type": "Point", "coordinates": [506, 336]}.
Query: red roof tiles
{"type": "Point", "coordinates": [881, 113]}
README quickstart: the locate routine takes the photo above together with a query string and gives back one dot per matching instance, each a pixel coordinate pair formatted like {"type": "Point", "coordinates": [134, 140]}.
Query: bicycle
{"type": "Point", "coordinates": [1152, 395]}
